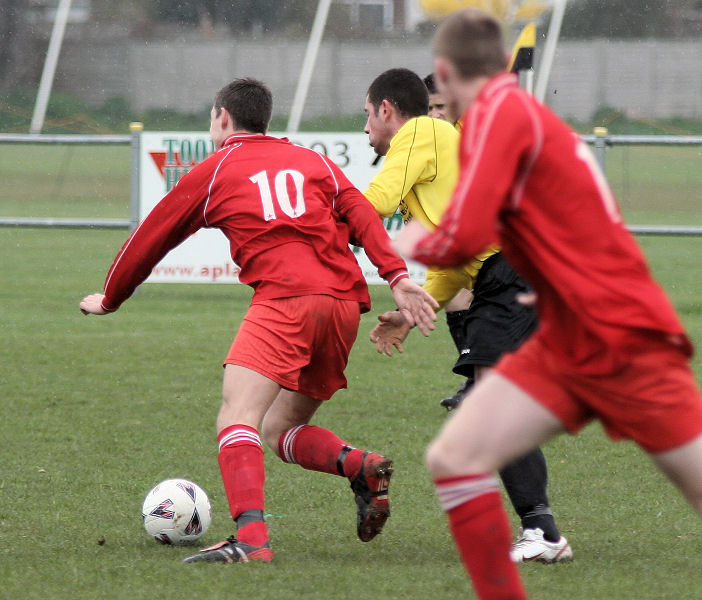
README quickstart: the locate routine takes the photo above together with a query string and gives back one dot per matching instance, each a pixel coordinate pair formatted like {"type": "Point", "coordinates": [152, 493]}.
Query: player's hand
{"type": "Point", "coordinates": [527, 298]}
{"type": "Point", "coordinates": [416, 305]}
{"type": "Point", "coordinates": [408, 238]}
{"type": "Point", "coordinates": [391, 331]}
{"type": "Point", "coordinates": [92, 305]}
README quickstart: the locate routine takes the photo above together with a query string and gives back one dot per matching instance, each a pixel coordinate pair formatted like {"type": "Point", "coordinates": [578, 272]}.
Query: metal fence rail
{"type": "Point", "coordinates": [65, 223]}
{"type": "Point", "coordinates": [668, 230]}
{"type": "Point", "coordinates": [600, 140]}
{"type": "Point", "coordinates": [134, 139]}
{"type": "Point", "coordinates": [643, 140]}
{"type": "Point", "coordinates": [33, 138]}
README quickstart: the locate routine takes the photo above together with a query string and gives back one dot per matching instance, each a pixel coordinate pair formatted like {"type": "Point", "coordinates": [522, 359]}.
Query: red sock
{"type": "Point", "coordinates": [318, 449]}
{"type": "Point", "coordinates": [481, 531]}
{"type": "Point", "coordinates": [241, 463]}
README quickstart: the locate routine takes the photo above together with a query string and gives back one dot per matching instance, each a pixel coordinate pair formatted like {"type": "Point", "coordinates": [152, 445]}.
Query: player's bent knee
{"type": "Point", "coordinates": [444, 461]}
{"type": "Point", "coordinates": [271, 435]}
{"type": "Point", "coordinates": [433, 460]}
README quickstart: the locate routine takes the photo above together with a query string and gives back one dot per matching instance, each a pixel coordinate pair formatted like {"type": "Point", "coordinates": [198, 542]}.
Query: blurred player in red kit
{"type": "Point", "coordinates": [609, 345]}
{"type": "Point", "coordinates": [289, 214]}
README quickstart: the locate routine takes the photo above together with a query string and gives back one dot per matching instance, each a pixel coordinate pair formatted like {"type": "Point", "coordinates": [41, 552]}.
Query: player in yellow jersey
{"type": "Point", "coordinates": [420, 168]}
{"type": "Point", "coordinates": [417, 178]}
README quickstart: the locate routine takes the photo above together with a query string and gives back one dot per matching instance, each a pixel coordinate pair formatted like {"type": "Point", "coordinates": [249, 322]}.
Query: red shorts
{"type": "Point", "coordinates": [653, 400]}
{"type": "Point", "coordinates": [302, 343]}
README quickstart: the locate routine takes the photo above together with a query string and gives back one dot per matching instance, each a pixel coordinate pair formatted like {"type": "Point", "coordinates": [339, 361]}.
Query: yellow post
{"type": "Point", "coordinates": [601, 134]}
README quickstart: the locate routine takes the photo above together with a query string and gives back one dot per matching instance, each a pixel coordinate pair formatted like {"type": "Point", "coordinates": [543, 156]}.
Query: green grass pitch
{"type": "Point", "coordinates": [95, 411]}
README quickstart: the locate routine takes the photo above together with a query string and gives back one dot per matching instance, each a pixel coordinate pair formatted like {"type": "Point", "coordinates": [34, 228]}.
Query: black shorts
{"type": "Point", "coordinates": [495, 322]}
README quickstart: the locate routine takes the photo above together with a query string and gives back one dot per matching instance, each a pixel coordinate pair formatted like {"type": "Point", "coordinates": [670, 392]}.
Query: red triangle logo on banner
{"type": "Point", "coordinates": [159, 159]}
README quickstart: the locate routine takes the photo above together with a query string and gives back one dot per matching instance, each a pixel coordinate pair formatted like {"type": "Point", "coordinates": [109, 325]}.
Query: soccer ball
{"type": "Point", "coordinates": [176, 511]}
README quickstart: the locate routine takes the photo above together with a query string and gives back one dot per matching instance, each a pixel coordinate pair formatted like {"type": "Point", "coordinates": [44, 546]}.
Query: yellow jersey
{"type": "Point", "coordinates": [418, 178]}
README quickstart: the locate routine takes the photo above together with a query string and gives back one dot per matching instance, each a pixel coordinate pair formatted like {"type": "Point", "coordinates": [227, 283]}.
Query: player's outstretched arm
{"type": "Point", "coordinates": [392, 330]}
{"type": "Point", "coordinates": [408, 238]}
{"type": "Point", "coordinates": [92, 305]}
{"type": "Point", "coordinates": [415, 304]}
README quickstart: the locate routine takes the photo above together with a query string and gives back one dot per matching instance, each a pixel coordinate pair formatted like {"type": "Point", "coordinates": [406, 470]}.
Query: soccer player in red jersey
{"type": "Point", "coordinates": [289, 214]}
{"type": "Point", "coordinates": [609, 346]}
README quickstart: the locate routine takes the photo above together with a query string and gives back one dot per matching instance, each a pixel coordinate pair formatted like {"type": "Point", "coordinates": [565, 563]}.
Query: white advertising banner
{"type": "Point", "coordinates": [204, 257]}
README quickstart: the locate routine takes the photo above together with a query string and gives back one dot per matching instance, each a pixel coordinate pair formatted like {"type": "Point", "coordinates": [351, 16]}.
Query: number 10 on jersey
{"type": "Point", "coordinates": [280, 184]}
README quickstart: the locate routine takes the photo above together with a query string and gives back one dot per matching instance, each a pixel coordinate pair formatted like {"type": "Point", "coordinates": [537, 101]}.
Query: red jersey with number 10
{"type": "Point", "coordinates": [289, 214]}
{"type": "Point", "coordinates": [532, 184]}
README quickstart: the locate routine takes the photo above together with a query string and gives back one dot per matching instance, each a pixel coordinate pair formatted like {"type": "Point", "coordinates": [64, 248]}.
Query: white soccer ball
{"type": "Point", "coordinates": [176, 511]}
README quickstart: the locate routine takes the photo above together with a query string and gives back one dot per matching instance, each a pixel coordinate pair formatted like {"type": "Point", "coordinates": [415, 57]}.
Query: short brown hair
{"type": "Point", "coordinates": [402, 88]}
{"type": "Point", "coordinates": [248, 101]}
{"type": "Point", "coordinates": [472, 41]}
